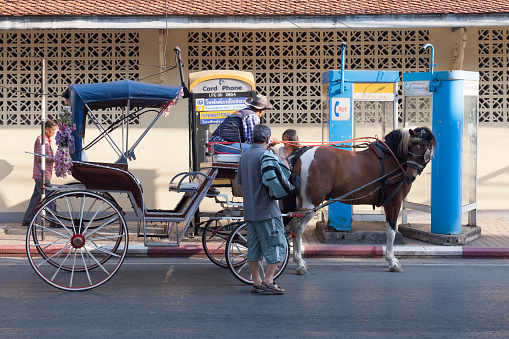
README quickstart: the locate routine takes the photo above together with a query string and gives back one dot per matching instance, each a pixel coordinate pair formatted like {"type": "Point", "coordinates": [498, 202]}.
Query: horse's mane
{"type": "Point", "coordinates": [398, 140]}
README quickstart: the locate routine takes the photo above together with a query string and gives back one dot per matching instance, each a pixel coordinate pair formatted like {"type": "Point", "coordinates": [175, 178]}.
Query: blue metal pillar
{"type": "Point", "coordinates": [447, 167]}
{"type": "Point", "coordinates": [341, 127]}
{"type": "Point", "coordinates": [449, 91]}
{"type": "Point", "coordinates": [447, 162]}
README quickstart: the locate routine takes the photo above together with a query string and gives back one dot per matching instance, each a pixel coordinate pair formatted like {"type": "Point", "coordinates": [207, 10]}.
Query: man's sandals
{"type": "Point", "coordinates": [272, 288]}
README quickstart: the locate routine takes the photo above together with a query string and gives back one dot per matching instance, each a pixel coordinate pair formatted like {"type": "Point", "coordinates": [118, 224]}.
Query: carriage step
{"type": "Point", "coordinates": [169, 233]}
{"type": "Point", "coordinates": [161, 244]}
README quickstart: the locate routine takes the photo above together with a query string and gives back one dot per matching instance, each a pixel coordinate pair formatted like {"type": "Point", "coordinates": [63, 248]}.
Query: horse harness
{"type": "Point", "coordinates": [380, 149]}
{"type": "Point", "coordinates": [295, 155]}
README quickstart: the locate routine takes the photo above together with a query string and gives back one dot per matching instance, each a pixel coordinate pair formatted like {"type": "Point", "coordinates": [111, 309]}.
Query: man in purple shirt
{"type": "Point", "coordinates": [50, 128]}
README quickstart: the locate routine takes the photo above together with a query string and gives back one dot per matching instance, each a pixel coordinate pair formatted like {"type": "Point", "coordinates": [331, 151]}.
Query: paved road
{"type": "Point", "coordinates": [166, 297]}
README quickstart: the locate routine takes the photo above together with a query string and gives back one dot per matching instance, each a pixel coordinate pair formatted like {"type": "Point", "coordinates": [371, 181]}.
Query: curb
{"type": "Point", "coordinates": [311, 251]}
{"type": "Point", "coordinates": [343, 251]}
{"type": "Point", "coordinates": [485, 253]}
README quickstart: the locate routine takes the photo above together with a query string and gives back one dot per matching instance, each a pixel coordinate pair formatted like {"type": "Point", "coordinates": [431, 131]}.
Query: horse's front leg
{"type": "Point", "coordinates": [394, 265]}
{"type": "Point", "coordinates": [298, 248]}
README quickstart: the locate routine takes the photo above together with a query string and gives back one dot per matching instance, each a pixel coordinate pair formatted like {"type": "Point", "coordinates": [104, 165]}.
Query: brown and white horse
{"type": "Point", "coordinates": [328, 173]}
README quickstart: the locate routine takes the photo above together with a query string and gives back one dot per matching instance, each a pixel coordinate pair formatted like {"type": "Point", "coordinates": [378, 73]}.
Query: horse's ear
{"type": "Point", "coordinates": [412, 133]}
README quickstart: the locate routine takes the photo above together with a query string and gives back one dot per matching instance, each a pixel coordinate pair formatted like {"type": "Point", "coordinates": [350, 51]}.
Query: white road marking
{"type": "Point", "coordinates": [168, 274]}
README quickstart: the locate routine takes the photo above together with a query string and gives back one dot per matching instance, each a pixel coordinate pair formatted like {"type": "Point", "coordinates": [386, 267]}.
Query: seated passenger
{"type": "Point", "coordinates": [238, 127]}
{"type": "Point", "coordinates": [288, 203]}
{"type": "Point", "coordinates": [289, 148]}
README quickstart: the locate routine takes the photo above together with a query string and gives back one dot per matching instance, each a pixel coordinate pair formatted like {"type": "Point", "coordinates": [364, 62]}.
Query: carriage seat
{"type": "Point", "coordinates": [194, 192]}
{"type": "Point", "coordinates": [108, 177]}
{"type": "Point", "coordinates": [182, 186]}
{"type": "Point", "coordinates": [229, 158]}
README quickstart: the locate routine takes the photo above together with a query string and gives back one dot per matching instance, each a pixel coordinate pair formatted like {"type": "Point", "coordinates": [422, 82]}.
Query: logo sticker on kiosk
{"type": "Point", "coordinates": [341, 109]}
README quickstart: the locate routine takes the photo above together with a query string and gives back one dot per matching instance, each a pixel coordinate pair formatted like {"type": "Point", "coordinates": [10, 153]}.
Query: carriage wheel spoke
{"type": "Point", "coordinates": [86, 267]}
{"type": "Point", "coordinates": [58, 253]}
{"type": "Point", "coordinates": [112, 219]}
{"type": "Point", "coordinates": [97, 262]}
{"type": "Point", "coordinates": [94, 216]}
{"type": "Point", "coordinates": [58, 269]}
{"type": "Point", "coordinates": [101, 248]}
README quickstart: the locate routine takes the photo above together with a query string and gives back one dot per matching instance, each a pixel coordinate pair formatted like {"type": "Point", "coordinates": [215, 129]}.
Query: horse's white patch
{"type": "Point", "coordinates": [306, 160]}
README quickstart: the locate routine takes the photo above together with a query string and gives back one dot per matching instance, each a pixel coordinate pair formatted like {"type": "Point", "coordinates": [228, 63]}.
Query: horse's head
{"type": "Point", "coordinates": [421, 146]}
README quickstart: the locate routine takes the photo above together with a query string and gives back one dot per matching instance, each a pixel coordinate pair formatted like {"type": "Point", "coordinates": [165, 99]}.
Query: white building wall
{"type": "Point", "coordinates": [164, 151]}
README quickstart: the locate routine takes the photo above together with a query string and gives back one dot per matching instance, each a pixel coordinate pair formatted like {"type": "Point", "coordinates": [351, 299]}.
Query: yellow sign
{"type": "Point", "coordinates": [207, 118]}
{"type": "Point", "coordinates": [373, 91]}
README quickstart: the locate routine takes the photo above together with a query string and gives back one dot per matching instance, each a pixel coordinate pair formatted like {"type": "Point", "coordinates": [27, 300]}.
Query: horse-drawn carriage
{"type": "Point", "coordinates": [79, 238]}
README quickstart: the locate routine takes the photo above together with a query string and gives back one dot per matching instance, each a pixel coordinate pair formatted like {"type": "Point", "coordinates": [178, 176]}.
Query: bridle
{"type": "Point", "coordinates": [427, 156]}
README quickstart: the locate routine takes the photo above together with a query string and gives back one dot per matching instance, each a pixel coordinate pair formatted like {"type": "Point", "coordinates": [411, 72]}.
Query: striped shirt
{"type": "Point", "coordinates": [37, 172]}
{"type": "Point", "coordinates": [249, 123]}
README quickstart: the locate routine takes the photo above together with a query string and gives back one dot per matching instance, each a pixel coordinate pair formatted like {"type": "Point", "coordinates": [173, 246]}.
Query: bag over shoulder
{"type": "Point", "coordinates": [276, 176]}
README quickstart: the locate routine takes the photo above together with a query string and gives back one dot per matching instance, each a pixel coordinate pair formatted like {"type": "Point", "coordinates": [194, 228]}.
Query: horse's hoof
{"type": "Point", "coordinates": [302, 271]}
{"type": "Point", "coordinates": [395, 268]}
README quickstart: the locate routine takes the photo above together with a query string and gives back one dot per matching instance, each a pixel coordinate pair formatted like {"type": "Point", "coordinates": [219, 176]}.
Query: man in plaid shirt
{"type": "Point", "coordinates": [50, 130]}
{"type": "Point", "coordinates": [236, 131]}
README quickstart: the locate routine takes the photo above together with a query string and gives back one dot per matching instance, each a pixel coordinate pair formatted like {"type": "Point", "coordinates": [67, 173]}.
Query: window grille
{"type": "Point", "coordinates": [287, 65]}
{"type": "Point", "coordinates": [493, 55]}
{"type": "Point", "coordinates": [72, 56]}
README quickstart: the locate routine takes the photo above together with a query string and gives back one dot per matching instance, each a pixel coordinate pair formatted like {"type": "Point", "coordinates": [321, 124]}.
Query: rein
{"type": "Point", "coordinates": [365, 142]}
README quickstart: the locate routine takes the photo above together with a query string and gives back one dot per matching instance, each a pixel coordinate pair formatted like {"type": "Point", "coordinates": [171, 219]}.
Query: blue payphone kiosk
{"type": "Point", "coordinates": [446, 101]}
{"type": "Point", "coordinates": [357, 103]}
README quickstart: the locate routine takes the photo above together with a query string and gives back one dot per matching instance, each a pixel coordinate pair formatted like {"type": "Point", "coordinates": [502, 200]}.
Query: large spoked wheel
{"type": "Point", "coordinates": [63, 215]}
{"type": "Point", "coordinates": [214, 238]}
{"type": "Point", "coordinates": [77, 240]}
{"type": "Point", "coordinates": [236, 257]}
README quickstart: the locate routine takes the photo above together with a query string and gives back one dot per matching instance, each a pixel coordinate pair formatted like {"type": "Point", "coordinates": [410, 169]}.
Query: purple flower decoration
{"type": "Point", "coordinates": [65, 142]}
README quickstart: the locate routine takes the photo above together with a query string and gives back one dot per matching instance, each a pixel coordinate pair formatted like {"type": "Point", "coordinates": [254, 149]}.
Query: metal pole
{"type": "Point", "coordinates": [43, 130]}
{"type": "Point", "coordinates": [43, 121]}
{"type": "Point", "coordinates": [342, 47]}
{"type": "Point", "coordinates": [431, 65]}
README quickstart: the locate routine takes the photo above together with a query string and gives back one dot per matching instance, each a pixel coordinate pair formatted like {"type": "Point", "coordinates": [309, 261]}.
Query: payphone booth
{"type": "Point", "coordinates": [213, 96]}
{"type": "Point", "coordinates": [447, 102]}
{"type": "Point", "coordinates": [357, 104]}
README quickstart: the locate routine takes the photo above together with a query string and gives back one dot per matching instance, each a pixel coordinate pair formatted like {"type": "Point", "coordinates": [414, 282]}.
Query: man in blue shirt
{"type": "Point", "coordinates": [265, 230]}
{"type": "Point", "coordinates": [237, 129]}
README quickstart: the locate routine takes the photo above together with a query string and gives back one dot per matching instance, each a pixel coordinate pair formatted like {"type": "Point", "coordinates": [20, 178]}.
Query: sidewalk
{"type": "Point", "coordinates": [493, 243]}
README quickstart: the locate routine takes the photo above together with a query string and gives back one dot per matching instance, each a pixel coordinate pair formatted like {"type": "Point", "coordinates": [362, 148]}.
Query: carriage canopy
{"type": "Point", "coordinates": [124, 93]}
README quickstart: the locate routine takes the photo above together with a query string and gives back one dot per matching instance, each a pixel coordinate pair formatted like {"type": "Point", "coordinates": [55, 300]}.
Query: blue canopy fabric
{"type": "Point", "coordinates": [113, 94]}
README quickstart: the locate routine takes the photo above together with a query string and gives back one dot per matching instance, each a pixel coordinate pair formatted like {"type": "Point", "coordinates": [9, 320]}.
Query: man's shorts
{"type": "Point", "coordinates": [266, 239]}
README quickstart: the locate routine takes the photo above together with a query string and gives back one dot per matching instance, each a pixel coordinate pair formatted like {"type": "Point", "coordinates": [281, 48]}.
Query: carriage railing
{"type": "Point", "coordinates": [124, 119]}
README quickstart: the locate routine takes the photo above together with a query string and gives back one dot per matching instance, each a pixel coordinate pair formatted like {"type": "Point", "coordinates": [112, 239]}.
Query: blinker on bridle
{"type": "Point", "coordinates": [426, 156]}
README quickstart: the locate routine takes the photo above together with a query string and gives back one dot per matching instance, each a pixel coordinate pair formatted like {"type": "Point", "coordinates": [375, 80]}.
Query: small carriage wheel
{"type": "Point", "coordinates": [82, 250]}
{"type": "Point", "coordinates": [236, 257]}
{"type": "Point", "coordinates": [214, 238]}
